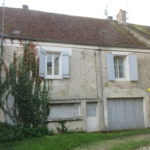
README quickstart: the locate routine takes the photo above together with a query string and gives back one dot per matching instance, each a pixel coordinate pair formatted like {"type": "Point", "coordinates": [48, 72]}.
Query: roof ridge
{"type": "Point", "coordinates": [57, 13]}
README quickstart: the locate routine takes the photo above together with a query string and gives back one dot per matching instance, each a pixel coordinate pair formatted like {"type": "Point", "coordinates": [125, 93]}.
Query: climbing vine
{"type": "Point", "coordinates": [31, 92]}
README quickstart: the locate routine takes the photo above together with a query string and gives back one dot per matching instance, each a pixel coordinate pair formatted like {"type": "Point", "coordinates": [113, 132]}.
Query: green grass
{"type": "Point", "coordinates": [66, 141]}
{"type": "Point", "coordinates": [131, 145]}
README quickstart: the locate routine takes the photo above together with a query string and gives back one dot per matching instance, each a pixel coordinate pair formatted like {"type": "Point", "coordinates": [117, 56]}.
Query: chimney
{"type": "Point", "coordinates": [121, 17]}
{"type": "Point", "coordinates": [25, 7]}
{"type": "Point", "coordinates": [109, 18]}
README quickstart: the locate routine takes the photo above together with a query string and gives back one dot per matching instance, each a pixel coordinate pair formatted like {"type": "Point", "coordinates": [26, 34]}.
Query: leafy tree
{"type": "Point", "coordinates": [31, 92]}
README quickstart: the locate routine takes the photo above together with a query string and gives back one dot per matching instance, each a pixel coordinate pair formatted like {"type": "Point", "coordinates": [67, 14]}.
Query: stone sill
{"type": "Point", "coordinates": [64, 119]}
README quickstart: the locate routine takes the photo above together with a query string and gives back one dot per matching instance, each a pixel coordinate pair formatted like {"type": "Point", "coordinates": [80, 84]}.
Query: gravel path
{"type": "Point", "coordinates": [108, 144]}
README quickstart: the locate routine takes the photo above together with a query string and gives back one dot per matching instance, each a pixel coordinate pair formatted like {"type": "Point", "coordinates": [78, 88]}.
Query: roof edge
{"type": "Point", "coordinates": [67, 42]}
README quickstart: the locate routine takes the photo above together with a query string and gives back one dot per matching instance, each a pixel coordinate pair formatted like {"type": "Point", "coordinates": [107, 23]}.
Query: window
{"type": "Point", "coordinates": [54, 63]}
{"type": "Point", "coordinates": [119, 67]}
{"type": "Point", "coordinates": [64, 111]}
{"type": "Point", "coordinates": [122, 66]}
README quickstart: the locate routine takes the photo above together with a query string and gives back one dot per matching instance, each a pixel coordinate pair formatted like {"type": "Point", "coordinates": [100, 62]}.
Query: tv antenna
{"type": "Point", "coordinates": [106, 11]}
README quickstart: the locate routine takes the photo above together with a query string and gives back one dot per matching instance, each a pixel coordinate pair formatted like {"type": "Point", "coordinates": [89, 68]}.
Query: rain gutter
{"type": "Point", "coordinates": [66, 42]}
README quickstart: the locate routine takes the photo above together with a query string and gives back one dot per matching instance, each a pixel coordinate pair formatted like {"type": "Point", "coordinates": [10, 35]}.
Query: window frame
{"type": "Point", "coordinates": [52, 105]}
{"type": "Point", "coordinates": [126, 65]}
{"type": "Point", "coordinates": [65, 53]}
{"type": "Point", "coordinates": [124, 71]}
{"type": "Point", "coordinates": [60, 66]}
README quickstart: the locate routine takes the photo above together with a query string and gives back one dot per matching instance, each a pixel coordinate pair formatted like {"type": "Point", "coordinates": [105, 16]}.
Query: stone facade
{"type": "Point", "coordinates": [84, 84]}
{"type": "Point", "coordinates": [128, 89]}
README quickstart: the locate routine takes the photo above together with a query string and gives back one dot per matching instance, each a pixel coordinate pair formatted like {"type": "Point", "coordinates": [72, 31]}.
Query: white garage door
{"type": "Point", "coordinates": [125, 113]}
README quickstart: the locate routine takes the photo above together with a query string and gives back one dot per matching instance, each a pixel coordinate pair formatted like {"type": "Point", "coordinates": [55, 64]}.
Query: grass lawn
{"type": "Point", "coordinates": [67, 141]}
{"type": "Point", "coordinates": [132, 145]}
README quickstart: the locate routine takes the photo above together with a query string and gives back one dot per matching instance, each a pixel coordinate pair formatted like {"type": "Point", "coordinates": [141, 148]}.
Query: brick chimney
{"type": "Point", "coordinates": [121, 17]}
{"type": "Point", "coordinates": [25, 7]}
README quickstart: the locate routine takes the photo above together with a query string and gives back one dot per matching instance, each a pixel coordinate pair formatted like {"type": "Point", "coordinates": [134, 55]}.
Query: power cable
{"type": "Point", "coordinates": [109, 4]}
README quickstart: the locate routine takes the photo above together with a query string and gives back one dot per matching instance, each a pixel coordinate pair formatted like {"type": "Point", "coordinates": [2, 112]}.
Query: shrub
{"type": "Point", "coordinates": [13, 132]}
{"type": "Point", "coordinates": [63, 128]}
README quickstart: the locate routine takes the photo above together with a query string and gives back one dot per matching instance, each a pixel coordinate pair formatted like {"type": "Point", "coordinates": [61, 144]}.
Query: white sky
{"type": "Point", "coordinates": [139, 10]}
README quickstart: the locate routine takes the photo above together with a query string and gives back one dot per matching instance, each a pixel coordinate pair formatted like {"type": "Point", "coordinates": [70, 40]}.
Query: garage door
{"type": "Point", "coordinates": [125, 114]}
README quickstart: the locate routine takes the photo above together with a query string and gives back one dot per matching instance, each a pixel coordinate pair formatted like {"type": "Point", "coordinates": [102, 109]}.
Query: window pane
{"type": "Point", "coordinates": [120, 61]}
{"type": "Point", "coordinates": [49, 64]}
{"type": "Point", "coordinates": [56, 64]}
{"type": "Point", "coordinates": [121, 74]}
{"type": "Point", "coordinates": [121, 68]}
{"type": "Point", "coordinates": [49, 71]}
{"type": "Point", "coordinates": [56, 71]}
{"type": "Point", "coordinates": [116, 74]}
{"type": "Point", "coordinates": [56, 57]}
{"type": "Point", "coordinates": [49, 57]}
{"type": "Point", "coordinates": [49, 60]}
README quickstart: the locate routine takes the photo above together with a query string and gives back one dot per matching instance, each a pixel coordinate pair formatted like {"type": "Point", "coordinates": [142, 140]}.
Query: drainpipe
{"type": "Point", "coordinates": [1, 50]}
{"type": "Point", "coordinates": [101, 83]}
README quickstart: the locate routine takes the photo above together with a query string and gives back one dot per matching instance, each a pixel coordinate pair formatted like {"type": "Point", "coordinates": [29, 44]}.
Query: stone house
{"type": "Point", "coordinates": [100, 68]}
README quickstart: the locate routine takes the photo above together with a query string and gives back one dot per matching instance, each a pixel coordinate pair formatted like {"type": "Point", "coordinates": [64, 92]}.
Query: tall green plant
{"type": "Point", "coordinates": [4, 85]}
{"type": "Point", "coordinates": [31, 92]}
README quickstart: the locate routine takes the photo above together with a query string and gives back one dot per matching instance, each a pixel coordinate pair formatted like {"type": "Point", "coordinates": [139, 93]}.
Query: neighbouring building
{"type": "Point", "coordinates": [101, 72]}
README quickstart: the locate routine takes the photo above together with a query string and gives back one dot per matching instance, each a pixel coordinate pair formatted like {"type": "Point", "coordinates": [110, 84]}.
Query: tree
{"type": "Point", "coordinates": [31, 93]}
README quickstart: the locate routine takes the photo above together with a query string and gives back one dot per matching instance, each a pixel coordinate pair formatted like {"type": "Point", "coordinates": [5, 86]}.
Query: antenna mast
{"type": "Point", "coordinates": [3, 18]}
{"type": "Point", "coordinates": [2, 31]}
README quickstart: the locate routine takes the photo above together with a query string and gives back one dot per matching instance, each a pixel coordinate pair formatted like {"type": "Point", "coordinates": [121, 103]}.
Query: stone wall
{"type": "Point", "coordinates": [128, 89]}
{"type": "Point", "coordinates": [84, 84]}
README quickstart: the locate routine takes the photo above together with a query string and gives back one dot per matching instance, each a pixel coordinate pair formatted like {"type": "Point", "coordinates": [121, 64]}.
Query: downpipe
{"type": "Point", "coordinates": [101, 83]}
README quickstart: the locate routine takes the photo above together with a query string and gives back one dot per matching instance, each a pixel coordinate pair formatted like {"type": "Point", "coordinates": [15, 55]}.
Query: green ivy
{"type": "Point", "coordinates": [31, 92]}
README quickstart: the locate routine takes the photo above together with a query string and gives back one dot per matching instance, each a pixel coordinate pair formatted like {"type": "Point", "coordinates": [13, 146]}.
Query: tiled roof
{"type": "Point", "coordinates": [142, 30]}
{"type": "Point", "coordinates": [51, 26]}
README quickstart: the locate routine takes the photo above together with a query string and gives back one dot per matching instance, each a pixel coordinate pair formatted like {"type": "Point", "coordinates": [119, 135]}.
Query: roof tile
{"type": "Point", "coordinates": [51, 26]}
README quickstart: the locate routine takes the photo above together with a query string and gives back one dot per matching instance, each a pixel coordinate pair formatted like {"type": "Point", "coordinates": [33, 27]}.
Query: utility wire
{"type": "Point", "coordinates": [109, 3]}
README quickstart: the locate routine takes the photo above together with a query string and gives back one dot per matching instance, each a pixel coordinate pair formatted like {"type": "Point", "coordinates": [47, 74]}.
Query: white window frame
{"type": "Point", "coordinates": [53, 49]}
{"type": "Point", "coordinates": [123, 57]}
{"type": "Point", "coordinates": [126, 65]}
{"type": "Point", "coordinates": [60, 66]}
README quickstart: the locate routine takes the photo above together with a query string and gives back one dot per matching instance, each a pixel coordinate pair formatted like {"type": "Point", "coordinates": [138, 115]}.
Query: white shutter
{"type": "Point", "coordinates": [110, 67]}
{"type": "Point", "coordinates": [64, 111]}
{"type": "Point", "coordinates": [42, 62]}
{"type": "Point", "coordinates": [133, 68]}
{"type": "Point", "coordinates": [65, 64]}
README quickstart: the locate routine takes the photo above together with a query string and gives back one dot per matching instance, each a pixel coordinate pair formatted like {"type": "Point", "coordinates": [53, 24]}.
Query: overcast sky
{"type": "Point", "coordinates": [138, 10]}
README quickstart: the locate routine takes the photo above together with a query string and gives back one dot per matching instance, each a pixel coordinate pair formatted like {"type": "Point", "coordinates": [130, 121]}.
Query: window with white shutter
{"type": "Point", "coordinates": [54, 64]}
{"type": "Point", "coordinates": [122, 67]}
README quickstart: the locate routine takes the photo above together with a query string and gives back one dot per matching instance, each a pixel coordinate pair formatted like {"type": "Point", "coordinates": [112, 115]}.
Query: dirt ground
{"type": "Point", "coordinates": [108, 144]}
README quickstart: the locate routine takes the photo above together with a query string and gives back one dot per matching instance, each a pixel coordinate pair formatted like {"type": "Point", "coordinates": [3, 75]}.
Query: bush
{"type": "Point", "coordinates": [63, 128]}
{"type": "Point", "coordinates": [13, 132]}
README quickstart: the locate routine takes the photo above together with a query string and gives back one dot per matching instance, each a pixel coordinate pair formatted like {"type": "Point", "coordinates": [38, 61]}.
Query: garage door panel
{"type": "Point", "coordinates": [118, 114]}
{"type": "Point", "coordinates": [113, 108]}
{"type": "Point", "coordinates": [121, 114]}
{"type": "Point", "coordinates": [139, 113]}
{"type": "Point", "coordinates": [125, 114]}
{"type": "Point", "coordinates": [109, 114]}
{"type": "Point", "coordinates": [128, 114]}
